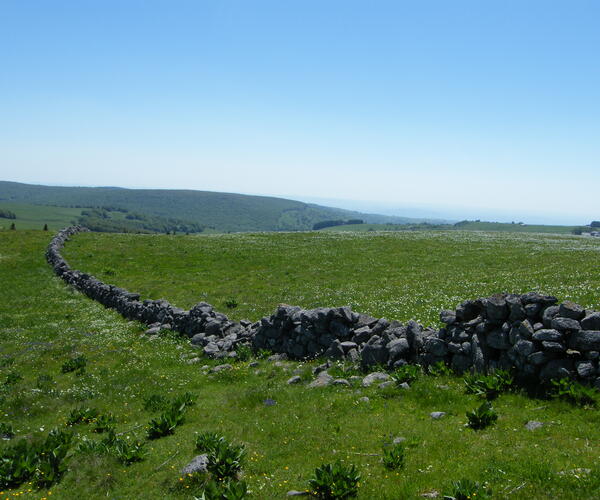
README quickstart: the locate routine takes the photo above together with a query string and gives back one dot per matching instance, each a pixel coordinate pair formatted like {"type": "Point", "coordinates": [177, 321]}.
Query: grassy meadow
{"type": "Point", "coordinates": [407, 275]}
{"type": "Point", "coordinates": [35, 216]}
{"type": "Point", "coordinates": [44, 323]}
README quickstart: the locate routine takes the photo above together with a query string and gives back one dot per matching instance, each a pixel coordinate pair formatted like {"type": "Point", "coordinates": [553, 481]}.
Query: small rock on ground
{"type": "Point", "coordinates": [323, 380]}
{"type": "Point", "coordinates": [198, 464]}
{"type": "Point", "coordinates": [341, 381]}
{"type": "Point", "coordinates": [437, 414]}
{"type": "Point", "coordinates": [371, 378]}
{"type": "Point", "coordinates": [296, 379]}
{"type": "Point", "coordinates": [220, 368]}
{"type": "Point", "coordinates": [533, 425]}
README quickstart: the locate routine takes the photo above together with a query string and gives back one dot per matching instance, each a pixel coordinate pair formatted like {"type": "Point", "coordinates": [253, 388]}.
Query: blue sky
{"type": "Point", "coordinates": [478, 109]}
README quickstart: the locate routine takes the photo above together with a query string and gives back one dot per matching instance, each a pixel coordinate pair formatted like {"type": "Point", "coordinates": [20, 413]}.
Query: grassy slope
{"type": "Point", "coordinates": [469, 226]}
{"type": "Point", "coordinates": [400, 275]}
{"type": "Point", "coordinates": [35, 216]}
{"type": "Point", "coordinates": [223, 211]}
{"type": "Point", "coordinates": [44, 323]}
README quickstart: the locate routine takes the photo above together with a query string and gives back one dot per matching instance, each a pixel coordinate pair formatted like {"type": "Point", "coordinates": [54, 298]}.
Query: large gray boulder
{"type": "Point", "coordinates": [585, 340]}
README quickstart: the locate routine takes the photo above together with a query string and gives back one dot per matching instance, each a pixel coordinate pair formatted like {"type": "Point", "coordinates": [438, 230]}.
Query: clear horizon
{"type": "Point", "coordinates": [454, 108]}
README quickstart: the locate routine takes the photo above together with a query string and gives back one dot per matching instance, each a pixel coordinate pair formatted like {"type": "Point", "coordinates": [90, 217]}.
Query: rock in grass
{"type": "Point", "coordinates": [198, 464]}
{"type": "Point", "coordinates": [364, 399]}
{"type": "Point", "coordinates": [295, 493]}
{"type": "Point", "coordinates": [221, 368]}
{"type": "Point", "coordinates": [322, 380]}
{"type": "Point", "coordinates": [371, 378]}
{"type": "Point", "coordinates": [296, 379]}
{"type": "Point", "coordinates": [341, 381]}
{"type": "Point", "coordinates": [436, 415]}
{"type": "Point", "coordinates": [269, 402]}
{"type": "Point", "coordinates": [388, 383]}
{"type": "Point", "coordinates": [533, 425]}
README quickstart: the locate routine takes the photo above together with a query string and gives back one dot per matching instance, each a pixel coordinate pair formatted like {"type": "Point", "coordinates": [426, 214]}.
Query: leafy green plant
{"type": "Point", "coordinates": [439, 369]}
{"type": "Point", "coordinates": [393, 456]}
{"type": "Point", "coordinates": [125, 451]}
{"type": "Point", "coordinates": [45, 383]}
{"type": "Point", "coordinates": [12, 378]}
{"type": "Point", "coordinates": [224, 490]}
{"type": "Point", "coordinates": [335, 481]}
{"type": "Point", "coordinates": [489, 386]}
{"type": "Point", "coordinates": [482, 417]}
{"type": "Point", "coordinates": [128, 452]}
{"type": "Point", "coordinates": [207, 441]}
{"type": "Point", "coordinates": [6, 361]}
{"type": "Point", "coordinates": [231, 303]}
{"type": "Point", "coordinates": [166, 423]}
{"type": "Point", "coordinates": [6, 431]}
{"type": "Point", "coordinates": [574, 392]}
{"type": "Point", "coordinates": [186, 400]}
{"type": "Point", "coordinates": [225, 459]}
{"type": "Point", "coordinates": [155, 402]}
{"type": "Point", "coordinates": [82, 416]}
{"type": "Point", "coordinates": [41, 462]}
{"type": "Point", "coordinates": [74, 364]}
{"type": "Point", "coordinates": [466, 489]}
{"type": "Point", "coordinates": [406, 374]}
{"type": "Point", "coordinates": [105, 423]}
{"type": "Point", "coordinates": [244, 352]}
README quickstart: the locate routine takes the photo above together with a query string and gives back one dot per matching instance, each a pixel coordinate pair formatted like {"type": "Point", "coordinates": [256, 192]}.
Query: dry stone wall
{"type": "Point", "coordinates": [531, 333]}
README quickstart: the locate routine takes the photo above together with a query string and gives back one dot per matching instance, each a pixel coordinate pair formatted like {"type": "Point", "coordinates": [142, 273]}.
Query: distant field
{"type": "Point", "coordinates": [44, 323]}
{"type": "Point", "coordinates": [400, 275]}
{"type": "Point", "coordinates": [35, 216]}
{"type": "Point", "coordinates": [468, 226]}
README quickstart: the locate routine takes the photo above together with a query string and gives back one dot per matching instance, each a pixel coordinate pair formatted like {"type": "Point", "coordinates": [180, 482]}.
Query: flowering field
{"type": "Point", "coordinates": [410, 275]}
{"type": "Point", "coordinates": [67, 363]}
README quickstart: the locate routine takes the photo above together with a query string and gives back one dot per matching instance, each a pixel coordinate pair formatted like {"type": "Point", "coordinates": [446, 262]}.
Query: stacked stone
{"type": "Point", "coordinates": [210, 329]}
{"type": "Point", "coordinates": [341, 333]}
{"type": "Point", "coordinates": [532, 333]}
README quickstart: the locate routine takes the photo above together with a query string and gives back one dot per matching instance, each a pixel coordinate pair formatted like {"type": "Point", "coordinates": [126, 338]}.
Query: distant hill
{"type": "Point", "coordinates": [146, 210]}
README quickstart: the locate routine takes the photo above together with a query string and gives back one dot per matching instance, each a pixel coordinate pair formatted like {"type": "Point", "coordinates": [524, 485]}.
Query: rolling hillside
{"type": "Point", "coordinates": [221, 212]}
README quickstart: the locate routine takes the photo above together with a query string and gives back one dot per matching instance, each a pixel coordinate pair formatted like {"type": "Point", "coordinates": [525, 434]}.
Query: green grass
{"type": "Point", "coordinates": [463, 226]}
{"type": "Point", "coordinates": [404, 275]}
{"type": "Point", "coordinates": [35, 216]}
{"type": "Point", "coordinates": [44, 324]}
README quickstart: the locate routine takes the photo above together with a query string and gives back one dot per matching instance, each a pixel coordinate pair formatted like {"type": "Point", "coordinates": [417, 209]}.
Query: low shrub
{"type": "Point", "coordinates": [393, 456]}
{"type": "Point", "coordinates": [482, 417]}
{"type": "Point", "coordinates": [574, 392]}
{"type": "Point", "coordinates": [335, 481]}
{"type": "Point", "coordinates": [469, 490]}
{"type": "Point", "coordinates": [74, 364]}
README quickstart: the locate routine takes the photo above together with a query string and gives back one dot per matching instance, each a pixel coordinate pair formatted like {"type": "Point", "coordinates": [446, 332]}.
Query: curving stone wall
{"type": "Point", "coordinates": [530, 333]}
